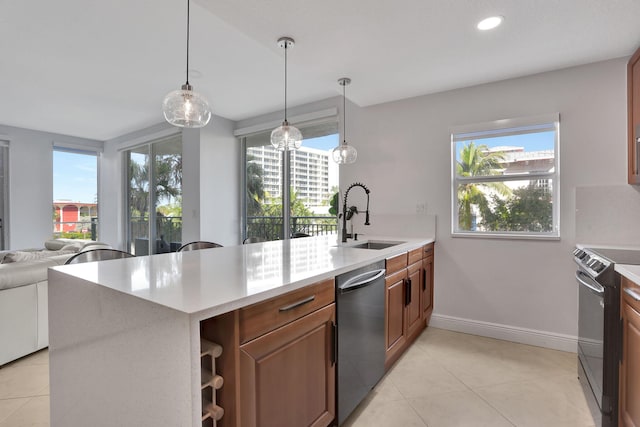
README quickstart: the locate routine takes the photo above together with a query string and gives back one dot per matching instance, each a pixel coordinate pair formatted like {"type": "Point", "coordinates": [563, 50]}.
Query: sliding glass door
{"type": "Point", "coordinates": [305, 180]}
{"type": "Point", "coordinates": [4, 194]}
{"type": "Point", "coordinates": [154, 196]}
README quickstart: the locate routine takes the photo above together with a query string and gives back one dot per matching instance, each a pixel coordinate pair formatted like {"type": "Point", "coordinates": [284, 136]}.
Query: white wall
{"type": "Point", "coordinates": [31, 183]}
{"type": "Point", "coordinates": [219, 183]}
{"type": "Point", "coordinates": [499, 287]}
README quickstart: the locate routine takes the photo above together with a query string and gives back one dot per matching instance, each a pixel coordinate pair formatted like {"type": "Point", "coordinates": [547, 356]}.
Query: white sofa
{"type": "Point", "coordinates": [23, 295]}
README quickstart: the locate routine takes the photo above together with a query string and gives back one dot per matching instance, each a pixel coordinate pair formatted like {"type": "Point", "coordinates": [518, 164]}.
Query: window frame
{"type": "Point", "coordinates": [498, 128]}
{"type": "Point", "coordinates": [310, 129]}
{"type": "Point", "coordinates": [63, 147]}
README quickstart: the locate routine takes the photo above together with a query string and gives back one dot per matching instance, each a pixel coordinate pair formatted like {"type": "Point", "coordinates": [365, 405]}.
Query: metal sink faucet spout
{"type": "Point", "coordinates": [344, 209]}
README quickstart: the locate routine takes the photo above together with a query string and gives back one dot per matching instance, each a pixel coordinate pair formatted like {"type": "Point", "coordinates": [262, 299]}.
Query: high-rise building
{"type": "Point", "coordinates": [313, 174]}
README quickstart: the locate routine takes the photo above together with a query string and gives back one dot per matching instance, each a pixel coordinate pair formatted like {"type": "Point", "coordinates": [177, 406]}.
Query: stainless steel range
{"type": "Point", "coordinates": [599, 328]}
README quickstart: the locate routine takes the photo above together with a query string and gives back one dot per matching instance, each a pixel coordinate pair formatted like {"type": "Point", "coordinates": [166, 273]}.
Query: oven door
{"type": "Point", "coordinates": [591, 332]}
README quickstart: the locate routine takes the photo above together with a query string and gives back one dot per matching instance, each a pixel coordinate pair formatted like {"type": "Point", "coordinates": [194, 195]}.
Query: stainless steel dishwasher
{"type": "Point", "coordinates": [361, 348]}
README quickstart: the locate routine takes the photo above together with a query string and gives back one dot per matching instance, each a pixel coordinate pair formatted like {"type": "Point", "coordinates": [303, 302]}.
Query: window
{"type": "Point", "coordinates": [75, 194]}
{"type": "Point", "coordinates": [154, 196]}
{"type": "Point", "coordinates": [505, 179]}
{"type": "Point", "coordinates": [310, 175]}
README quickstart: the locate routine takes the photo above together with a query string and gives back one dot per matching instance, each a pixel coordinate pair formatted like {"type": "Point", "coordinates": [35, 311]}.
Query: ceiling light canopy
{"type": "Point", "coordinates": [490, 23]}
{"type": "Point", "coordinates": [344, 153]}
{"type": "Point", "coordinates": [184, 107]}
{"type": "Point", "coordinates": [286, 137]}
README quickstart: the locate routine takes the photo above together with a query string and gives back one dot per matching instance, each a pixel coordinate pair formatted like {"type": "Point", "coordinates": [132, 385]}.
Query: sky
{"type": "Point", "coordinates": [530, 141]}
{"type": "Point", "coordinates": [327, 143]}
{"type": "Point", "coordinates": [75, 177]}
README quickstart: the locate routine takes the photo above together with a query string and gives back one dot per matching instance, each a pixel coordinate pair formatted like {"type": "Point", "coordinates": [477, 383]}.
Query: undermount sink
{"type": "Point", "coordinates": [373, 244]}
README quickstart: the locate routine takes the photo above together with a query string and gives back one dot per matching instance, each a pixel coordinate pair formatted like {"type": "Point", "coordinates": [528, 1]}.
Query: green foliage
{"type": "Point", "coordinates": [335, 202]}
{"type": "Point", "coordinates": [74, 235]}
{"type": "Point", "coordinates": [168, 177]}
{"type": "Point", "coordinates": [477, 160]}
{"type": "Point", "coordinates": [255, 187]}
{"type": "Point", "coordinates": [529, 210]}
{"type": "Point", "coordinates": [297, 206]}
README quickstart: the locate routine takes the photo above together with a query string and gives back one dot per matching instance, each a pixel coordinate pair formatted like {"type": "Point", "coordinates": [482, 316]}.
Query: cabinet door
{"type": "Point", "coordinates": [288, 375]}
{"type": "Point", "coordinates": [427, 289]}
{"type": "Point", "coordinates": [630, 366]}
{"type": "Point", "coordinates": [413, 286]}
{"type": "Point", "coordinates": [395, 319]}
{"type": "Point", "coordinates": [633, 129]}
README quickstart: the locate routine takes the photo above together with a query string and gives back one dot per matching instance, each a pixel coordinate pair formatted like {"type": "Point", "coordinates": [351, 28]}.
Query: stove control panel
{"type": "Point", "coordinates": [591, 262]}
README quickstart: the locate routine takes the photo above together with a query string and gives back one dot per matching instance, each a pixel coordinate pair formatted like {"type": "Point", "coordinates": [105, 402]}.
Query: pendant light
{"type": "Point", "coordinates": [184, 107]}
{"type": "Point", "coordinates": [344, 153]}
{"type": "Point", "coordinates": [286, 137]}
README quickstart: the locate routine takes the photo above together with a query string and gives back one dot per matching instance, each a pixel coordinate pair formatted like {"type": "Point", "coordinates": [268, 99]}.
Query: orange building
{"type": "Point", "coordinates": [67, 215]}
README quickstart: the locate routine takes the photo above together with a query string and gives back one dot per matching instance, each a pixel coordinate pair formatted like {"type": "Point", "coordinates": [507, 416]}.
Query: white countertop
{"type": "Point", "coordinates": [631, 272]}
{"type": "Point", "coordinates": [215, 281]}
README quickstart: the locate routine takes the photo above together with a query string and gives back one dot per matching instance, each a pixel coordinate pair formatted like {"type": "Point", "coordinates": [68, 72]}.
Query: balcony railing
{"type": "Point", "coordinates": [270, 227]}
{"type": "Point", "coordinates": [85, 229]}
{"type": "Point", "coordinates": [169, 229]}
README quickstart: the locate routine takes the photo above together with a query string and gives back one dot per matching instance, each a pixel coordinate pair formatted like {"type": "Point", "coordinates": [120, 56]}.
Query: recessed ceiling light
{"type": "Point", "coordinates": [490, 22]}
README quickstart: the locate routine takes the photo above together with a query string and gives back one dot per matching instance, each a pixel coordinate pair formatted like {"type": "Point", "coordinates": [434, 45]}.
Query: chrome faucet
{"type": "Point", "coordinates": [344, 209]}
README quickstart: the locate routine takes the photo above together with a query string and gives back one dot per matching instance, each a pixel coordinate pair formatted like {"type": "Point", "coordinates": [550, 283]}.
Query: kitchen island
{"type": "Point", "coordinates": [125, 335]}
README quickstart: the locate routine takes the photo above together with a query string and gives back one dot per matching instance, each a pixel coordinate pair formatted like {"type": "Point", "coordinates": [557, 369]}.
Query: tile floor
{"type": "Point", "coordinates": [445, 379]}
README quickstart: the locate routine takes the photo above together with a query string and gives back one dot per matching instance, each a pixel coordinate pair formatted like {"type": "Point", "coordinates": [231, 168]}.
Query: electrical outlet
{"type": "Point", "coordinates": [421, 208]}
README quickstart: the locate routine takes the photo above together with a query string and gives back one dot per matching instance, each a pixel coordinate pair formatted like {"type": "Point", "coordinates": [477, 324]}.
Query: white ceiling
{"type": "Point", "coordinates": [99, 69]}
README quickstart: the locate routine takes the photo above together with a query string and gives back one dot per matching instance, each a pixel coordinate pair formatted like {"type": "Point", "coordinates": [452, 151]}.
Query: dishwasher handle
{"type": "Point", "coordinates": [361, 280]}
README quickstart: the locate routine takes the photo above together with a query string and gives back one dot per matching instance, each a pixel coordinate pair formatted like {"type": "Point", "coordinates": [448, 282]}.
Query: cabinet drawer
{"type": "Point", "coordinates": [415, 256]}
{"type": "Point", "coordinates": [260, 318]}
{"type": "Point", "coordinates": [630, 293]}
{"type": "Point", "coordinates": [427, 250]}
{"type": "Point", "coordinates": [396, 263]}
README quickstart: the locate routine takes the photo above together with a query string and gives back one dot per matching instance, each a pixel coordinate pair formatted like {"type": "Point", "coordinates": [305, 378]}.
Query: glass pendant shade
{"type": "Point", "coordinates": [186, 108]}
{"type": "Point", "coordinates": [344, 154]}
{"type": "Point", "coordinates": [286, 137]}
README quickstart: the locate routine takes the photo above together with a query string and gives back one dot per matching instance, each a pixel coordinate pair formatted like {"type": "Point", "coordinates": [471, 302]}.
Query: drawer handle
{"type": "Point", "coordinates": [298, 304]}
{"type": "Point", "coordinates": [633, 294]}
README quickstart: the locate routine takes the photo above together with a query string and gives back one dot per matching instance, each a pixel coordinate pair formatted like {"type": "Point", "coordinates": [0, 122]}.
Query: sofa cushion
{"type": "Point", "coordinates": [25, 273]}
{"type": "Point", "coordinates": [21, 256]}
{"type": "Point", "coordinates": [55, 244]}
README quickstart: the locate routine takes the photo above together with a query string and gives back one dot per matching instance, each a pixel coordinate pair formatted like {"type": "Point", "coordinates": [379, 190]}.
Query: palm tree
{"type": "Point", "coordinates": [477, 160]}
{"type": "Point", "coordinates": [255, 187]}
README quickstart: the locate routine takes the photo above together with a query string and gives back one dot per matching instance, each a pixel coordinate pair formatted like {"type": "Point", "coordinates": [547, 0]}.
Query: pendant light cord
{"type": "Point", "coordinates": [188, 21]}
{"type": "Point", "coordinates": [286, 44]}
{"type": "Point", "coordinates": [344, 113]}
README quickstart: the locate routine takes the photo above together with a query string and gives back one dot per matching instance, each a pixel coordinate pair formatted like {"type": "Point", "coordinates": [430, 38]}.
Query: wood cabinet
{"type": "Point", "coordinates": [395, 326]}
{"type": "Point", "coordinates": [633, 121]}
{"type": "Point", "coordinates": [279, 362]}
{"type": "Point", "coordinates": [413, 310]}
{"type": "Point", "coordinates": [288, 375]}
{"type": "Point", "coordinates": [426, 294]}
{"type": "Point", "coordinates": [629, 399]}
{"type": "Point", "coordinates": [409, 299]}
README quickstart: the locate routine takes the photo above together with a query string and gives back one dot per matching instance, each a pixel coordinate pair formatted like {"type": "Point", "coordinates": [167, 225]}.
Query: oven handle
{"type": "Point", "coordinates": [591, 284]}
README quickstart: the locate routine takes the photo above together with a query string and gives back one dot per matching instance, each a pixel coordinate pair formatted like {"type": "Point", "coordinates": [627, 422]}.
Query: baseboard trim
{"type": "Point", "coordinates": [504, 332]}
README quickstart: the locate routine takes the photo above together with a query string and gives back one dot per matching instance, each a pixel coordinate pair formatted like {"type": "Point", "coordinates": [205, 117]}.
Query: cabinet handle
{"type": "Point", "coordinates": [334, 343]}
{"type": "Point", "coordinates": [298, 303]}
{"type": "Point", "coordinates": [424, 279]}
{"type": "Point", "coordinates": [633, 294]}
{"type": "Point", "coordinates": [407, 292]}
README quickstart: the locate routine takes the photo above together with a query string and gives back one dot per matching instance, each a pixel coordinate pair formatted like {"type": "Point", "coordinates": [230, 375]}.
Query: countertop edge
{"type": "Point", "coordinates": [283, 286]}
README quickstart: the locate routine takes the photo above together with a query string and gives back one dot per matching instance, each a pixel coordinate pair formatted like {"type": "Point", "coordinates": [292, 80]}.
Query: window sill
{"type": "Point", "coordinates": [507, 236]}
